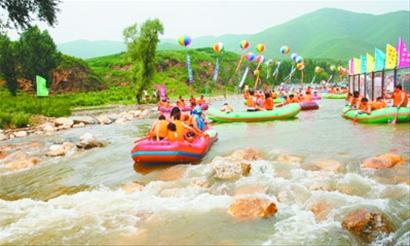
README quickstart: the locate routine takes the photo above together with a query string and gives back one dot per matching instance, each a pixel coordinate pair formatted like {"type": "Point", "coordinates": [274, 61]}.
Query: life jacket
{"type": "Point", "coordinates": [200, 101]}
{"type": "Point", "coordinates": [353, 101]}
{"type": "Point", "coordinates": [172, 136]}
{"type": "Point", "coordinates": [293, 100]}
{"type": "Point", "coordinates": [162, 128]}
{"type": "Point", "coordinates": [199, 122]}
{"type": "Point", "coordinates": [192, 101]}
{"type": "Point", "coordinates": [397, 99]}
{"type": "Point", "coordinates": [162, 104]}
{"type": "Point", "coordinates": [274, 95]}
{"type": "Point", "coordinates": [246, 95]}
{"type": "Point", "coordinates": [364, 106]}
{"type": "Point", "coordinates": [307, 98]}
{"type": "Point", "coordinates": [378, 105]}
{"type": "Point", "coordinates": [180, 130]}
{"type": "Point", "coordinates": [180, 103]}
{"type": "Point", "coordinates": [268, 104]}
{"type": "Point", "coordinates": [250, 102]}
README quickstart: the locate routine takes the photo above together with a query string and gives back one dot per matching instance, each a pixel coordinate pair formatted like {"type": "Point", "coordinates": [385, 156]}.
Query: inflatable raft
{"type": "Point", "coordinates": [275, 101]}
{"type": "Point", "coordinates": [285, 112]}
{"type": "Point", "coordinates": [384, 115]}
{"type": "Point", "coordinates": [166, 152]}
{"type": "Point", "coordinates": [184, 109]}
{"type": "Point", "coordinates": [333, 96]}
{"type": "Point", "coordinates": [309, 105]}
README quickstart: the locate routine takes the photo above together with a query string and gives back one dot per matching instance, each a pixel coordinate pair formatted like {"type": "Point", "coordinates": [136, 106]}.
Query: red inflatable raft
{"type": "Point", "coordinates": [312, 105]}
{"type": "Point", "coordinates": [158, 152]}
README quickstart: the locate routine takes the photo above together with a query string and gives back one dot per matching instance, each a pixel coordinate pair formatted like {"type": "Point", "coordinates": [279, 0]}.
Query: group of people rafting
{"type": "Point", "coordinates": [179, 126]}
{"type": "Point", "coordinates": [364, 105]}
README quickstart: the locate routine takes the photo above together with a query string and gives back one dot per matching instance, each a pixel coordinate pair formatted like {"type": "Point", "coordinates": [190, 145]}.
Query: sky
{"type": "Point", "coordinates": [105, 19]}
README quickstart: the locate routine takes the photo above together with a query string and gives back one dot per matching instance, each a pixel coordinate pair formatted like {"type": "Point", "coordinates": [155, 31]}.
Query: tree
{"type": "Point", "coordinates": [9, 63]}
{"type": "Point", "coordinates": [142, 46]}
{"type": "Point", "coordinates": [38, 54]}
{"type": "Point", "coordinates": [20, 12]}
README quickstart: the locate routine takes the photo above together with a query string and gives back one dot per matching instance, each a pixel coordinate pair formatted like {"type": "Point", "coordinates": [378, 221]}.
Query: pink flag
{"type": "Point", "coordinates": [404, 54]}
{"type": "Point", "coordinates": [351, 66]}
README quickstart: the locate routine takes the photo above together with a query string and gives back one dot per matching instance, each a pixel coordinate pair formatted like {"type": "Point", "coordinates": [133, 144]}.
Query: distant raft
{"type": "Point", "coordinates": [384, 115]}
{"type": "Point", "coordinates": [312, 105]}
{"type": "Point", "coordinates": [333, 96]}
{"type": "Point", "coordinates": [167, 152]}
{"type": "Point", "coordinates": [282, 113]}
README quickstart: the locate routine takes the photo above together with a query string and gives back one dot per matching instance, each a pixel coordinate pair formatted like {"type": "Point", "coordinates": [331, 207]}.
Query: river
{"type": "Point", "coordinates": [79, 200]}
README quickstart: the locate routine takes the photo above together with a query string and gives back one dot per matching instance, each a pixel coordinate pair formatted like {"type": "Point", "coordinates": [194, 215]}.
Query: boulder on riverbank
{"type": "Point", "coordinates": [383, 161]}
{"type": "Point", "coordinates": [88, 120]}
{"type": "Point", "coordinates": [366, 224]}
{"type": "Point", "coordinates": [60, 149]}
{"type": "Point", "coordinates": [252, 208]}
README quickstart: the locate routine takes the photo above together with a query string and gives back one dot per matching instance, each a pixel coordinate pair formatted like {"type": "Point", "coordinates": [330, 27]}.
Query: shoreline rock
{"type": "Point", "coordinates": [252, 208]}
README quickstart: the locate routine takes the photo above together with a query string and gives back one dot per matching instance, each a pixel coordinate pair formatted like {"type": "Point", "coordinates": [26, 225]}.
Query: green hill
{"type": "Point", "coordinates": [326, 33]}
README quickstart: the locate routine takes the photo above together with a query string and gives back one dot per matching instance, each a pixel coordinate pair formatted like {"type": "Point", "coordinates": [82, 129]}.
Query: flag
{"type": "Point", "coordinates": [391, 57]}
{"type": "Point", "coordinates": [370, 63]}
{"type": "Point", "coordinates": [351, 66]}
{"type": "Point", "coordinates": [356, 67]}
{"type": "Point", "coordinates": [380, 59]}
{"type": "Point", "coordinates": [363, 64]}
{"type": "Point", "coordinates": [404, 54]}
{"type": "Point", "coordinates": [42, 90]}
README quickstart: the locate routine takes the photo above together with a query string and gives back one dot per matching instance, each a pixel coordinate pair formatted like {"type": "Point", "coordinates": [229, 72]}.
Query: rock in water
{"type": "Point", "coordinates": [60, 150]}
{"type": "Point", "coordinates": [248, 154]}
{"type": "Point", "coordinates": [88, 141]}
{"type": "Point", "coordinates": [104, 120]}
{"type": "Point", "coordinates": [21, 134]}
{"type": "Point", "coordinates": [290, 159]}
{"type": "Point", "coordinates": [132, 187]}
{"type": "Point", "coordinates": [252, 208]}
{"type": "Point", "coordinates": [329, 165]}
{"type": "Point", "coordinates": [228, 168]}
{"type": "Point", "coordinates": [20, 160]}
{"type": "Point", "coordinates": [64, 123]}
{"type": "Point", "coordinates": [366, 224]}
{"type": "Point", "coordinates": [3, 137]}
{"type": "Point", "coordinates": [88, 120]}
{"type": "Point", "coordinates": [383, 161]}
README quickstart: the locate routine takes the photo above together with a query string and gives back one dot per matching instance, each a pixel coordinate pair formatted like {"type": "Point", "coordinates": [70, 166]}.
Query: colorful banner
{"type": "Point", "coordinates": [276, 72]}
{"type": "Point", "coordinates": [188, 64]}
{"type": "Point", "coordinates": [356, 67]}
{"type": "Point", "coordinates": [244, 77]}
{"type": "Point", "coordinates": [380, 60]}
{"type": "Point", "coordinates": [370, 63]}
{"type": "Point", "coordinates": [41, 83]}
{"type": "Point", "coordinates": [216, 71]}
{"type": "Point", "coordinates": [351, 66]}
{"type": "Point", "coordinates": [404, 54]}
{"type": "Point", "coordinates": [391, 57]}
{"type": "Point", "coordinates": [363, 64]}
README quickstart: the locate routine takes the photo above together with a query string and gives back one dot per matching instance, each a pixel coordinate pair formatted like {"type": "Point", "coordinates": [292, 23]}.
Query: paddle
{"type": "Point", "coordinates": [397, 116]}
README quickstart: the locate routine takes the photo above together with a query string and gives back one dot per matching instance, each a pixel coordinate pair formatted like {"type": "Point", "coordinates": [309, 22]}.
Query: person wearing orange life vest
{"type": "Point", "coordinates": [400, 98]}
{"type": "Point", "coordinates": [355, 100]}
{"type": "Point", "coordinates": [192, 101]}
{"type": "Point", "coordinates": [307, 97]}
{"type": "Point", "coordinates": [378, 104]}
{"type": "Point", "coordinates": [365, 106]}
{"type": "Point", "coordinates": [180, 102]}
{"type": "Point", "coordinates": [163, 103]}
{"type": "Point", "coordinates": [268, 103]}
{"type": "Point", "coordinates": [251, 101]}
{"type": "Point", "coordinates": [201, 100]}
{"type": "Point", "coordinates": [292, 99]}
{"type": "Point", "coordinates": [159, 130]}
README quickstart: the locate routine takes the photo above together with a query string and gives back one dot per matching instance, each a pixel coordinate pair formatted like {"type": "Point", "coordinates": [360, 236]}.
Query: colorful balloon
{"type": "Point", "coordinates": [299, 59]}
{"type": "Point", "coordinates": [332, 68]}
{"type": "Point", "coordinates": [244, 44]}
{"type": "Point", "coordinates": [260, 48]}
{"type": "Point", "coordinates": [259, 58]}
{"type": "Point", "coordinates": [250, 56]}
{"type": "Point", "coordinates": [300, 66]}
{"type": "Point", "coordinates": [218, 47]}
{"type": "Point", "coordinates": [184, 40]}
{"type": "Point", "coordinates": [284, 50]}
{"type": "Point", "coordinates": [318, 70]}
{"type": "Point", "coordinates": [294, 56]}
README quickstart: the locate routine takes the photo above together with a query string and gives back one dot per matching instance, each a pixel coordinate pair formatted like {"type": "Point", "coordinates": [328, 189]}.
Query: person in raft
{"type": "Point", "coordinates": [378, 104]}
{"type": "Point", "coordinates": [308, 96]}
{"type": "Point", "coordinates": [180, 102]}
{"type": "Point", "coordinates": [292, 99]}
{"type": "Point", "coordinates": [164, 103]}
{"type": "Point", "coordinates": [159, 129]}
{"type": "Point", "coordinates": [268, 104]}
{"type": "Point", "coordinates": [364, 106]}
{"type": "Point", "coordinates": [198, 122]}
{"type": "Point", "coordinates": [227, 108]}
{"type": "Point", "coordinates": [251, 101]}
{"type": "Point", "coordinates": [201, 100]}
{"type": "Point", "coordinates": [400, 98]}
{"type": "Point", "coordinates": [192, 101]}
{"type": "Point", "coordinates": [355, 100]}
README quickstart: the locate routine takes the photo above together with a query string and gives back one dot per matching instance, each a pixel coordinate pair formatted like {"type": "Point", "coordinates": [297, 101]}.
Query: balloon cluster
{"type": "Point", "coordinates": [244, 44]}
{"type": "Point", "coordinates": [218, 47]}
{"type": "Point", "coordinates": [184, 40]}
{"type": "Point", "coordinates": [284, 50]}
